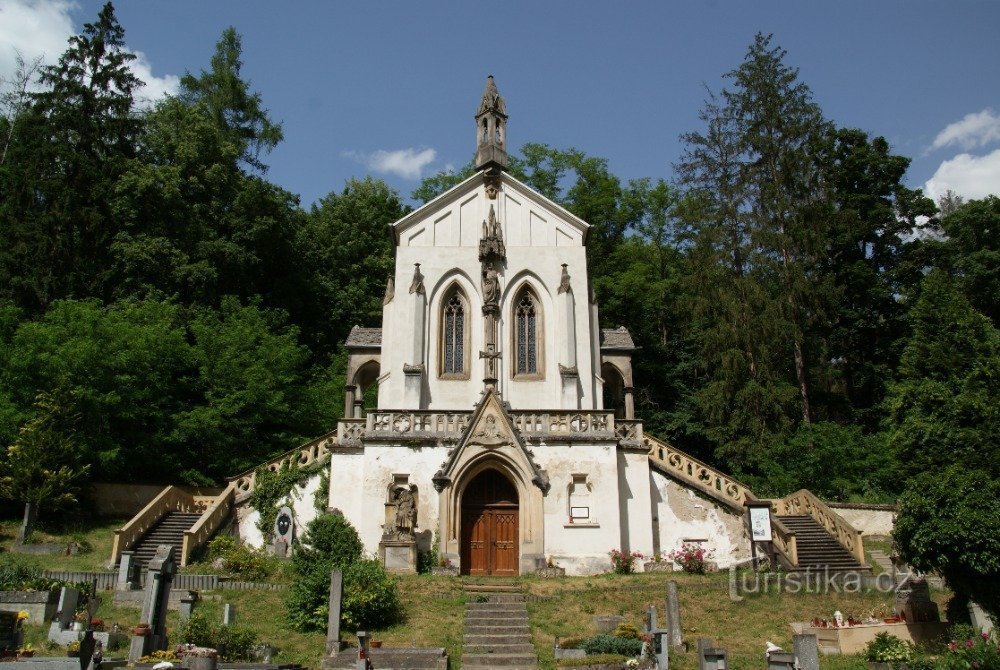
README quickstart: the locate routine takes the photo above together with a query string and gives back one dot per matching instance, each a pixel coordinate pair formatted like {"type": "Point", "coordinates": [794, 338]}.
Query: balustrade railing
{"type": "Point", "coordinates": [701, 476]}
{"type": "Point", "coordinates": [578, 422]}
{"type": "Point", "coordinates": [212, 518]}
{"type": "Point", "coordinates": [349, 431]}
{"type": "Point", "coordinates": [784, 542]}
{"type": "Point", "coordinates": [418, 422]}
{"type": "Point", "coordinates": [629, 430]}
{"type": "Point", "coordinates": [805, 503]}
{"type": "Point", "coordinates": [311, 452]}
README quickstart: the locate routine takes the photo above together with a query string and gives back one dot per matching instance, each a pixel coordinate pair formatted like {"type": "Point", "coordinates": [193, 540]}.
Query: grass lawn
{"type": "Point", "coordinates": [95, 538]}
{"type": "Point", "coordinates": [434, 609]}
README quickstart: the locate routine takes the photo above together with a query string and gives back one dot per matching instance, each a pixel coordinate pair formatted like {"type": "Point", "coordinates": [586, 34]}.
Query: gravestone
{"type": "Point", "coordinates": [673, 615]}
{"type": "Point", "coordinates": [126, 572]}
{"type": "Point", "coordinates": [9, 638]}
{"type": "Point", "coordinates": [913, 601]}
{"type": "Point", "coordinates": [284, 532]}
{"type": "Point", "coordinates": [69, 598]}
{"type": "Point", "coordinates": [711, 657]}
{"type": "Point", "coordinates": [159, 576]}
{"type": "Point", "coordinates": [333, 643]}
{"type": "Point", "coordinates": [806, 651]}
{"type": "Point", "coordinates": [228, 615]}
{"type": "Point", "coordinates": [980, 619]}
{"type": "Point", "coordinates": [659, 640]}
{"type": "Point", "coordinates": [187, 605]}
{"type": "Point", "coordinates": [780, 660]}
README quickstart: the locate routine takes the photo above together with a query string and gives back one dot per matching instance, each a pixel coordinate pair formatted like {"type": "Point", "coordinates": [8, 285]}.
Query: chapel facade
{"type": "Point", "coordinates": [504, 433]}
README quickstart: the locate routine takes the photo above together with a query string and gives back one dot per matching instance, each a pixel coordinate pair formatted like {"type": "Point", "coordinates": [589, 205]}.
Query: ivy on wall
{"type": "Point", "coordinates": [273, 486]}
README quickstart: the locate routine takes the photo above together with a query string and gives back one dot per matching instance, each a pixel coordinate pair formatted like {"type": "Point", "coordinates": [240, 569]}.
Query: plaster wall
{"type": "Point", "coordinates": [301, 500]}
{"type": "Point", "coordinates": [681, 515]}
{"type": "Point", "coordinates": [868, 521]}
{"type": "Point", "coordinates": [445, 242]}
{"type": "Point", "coordinates": [581, 547]}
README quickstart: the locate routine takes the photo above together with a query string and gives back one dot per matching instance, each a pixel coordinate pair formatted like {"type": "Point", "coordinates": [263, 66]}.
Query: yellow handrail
{"type": "Point", "coordinates": [208, 523]}
{"type": "Point", "coordinates": [805, 503]}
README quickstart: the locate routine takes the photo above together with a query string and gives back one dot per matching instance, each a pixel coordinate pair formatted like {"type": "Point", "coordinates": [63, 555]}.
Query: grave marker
{"type": "Point", "coordinates": [228, 615]}
{"type": "Point", "coordinates": [159, 576]}
{"type": "Point", "coordinates": [806, 651]}
{"type": "Point", "coordinates": [333, 643]}
{"type": "Point", "coordinates": [673, 615]}
{"type": "Point", "coordinates": [284, 531]}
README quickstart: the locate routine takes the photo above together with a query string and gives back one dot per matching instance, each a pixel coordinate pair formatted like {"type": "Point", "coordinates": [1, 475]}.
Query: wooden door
{"type": "Point", "coordinates": [490, 528]}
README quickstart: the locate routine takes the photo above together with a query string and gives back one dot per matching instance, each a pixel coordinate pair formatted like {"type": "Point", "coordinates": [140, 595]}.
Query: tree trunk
{"type": "Point", "coordinates": [28, 524]}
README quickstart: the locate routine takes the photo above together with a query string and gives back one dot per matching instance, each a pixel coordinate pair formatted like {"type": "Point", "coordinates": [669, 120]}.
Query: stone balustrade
{"type": "Point", "coordinates": [349, 431]}
{"type": "Point", "coordinates": [699, 475]}
{"type": "Point", "coordinates": [417, 423]}
{"type": "Point", "coordinates": [314, 451]}
{"type": "Point", "coordinates": [629, 430]}
{"type": "Point", "coordinates": [805, 503]}
{"type": "Point", "coordinates": [565, 424]}
{"type": "Point", "coordinates": [211, 520]}
{"type": "Point", "coordinates": [784, 542]}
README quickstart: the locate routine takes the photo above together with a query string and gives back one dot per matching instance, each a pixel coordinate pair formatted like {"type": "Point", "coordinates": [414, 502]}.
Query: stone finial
{"type": "Point", "coordinates": [491, 130]}
{"type": "Point", "coordinates": [390, 290]}
{"type": "Point", "coordinates": [417, 285]}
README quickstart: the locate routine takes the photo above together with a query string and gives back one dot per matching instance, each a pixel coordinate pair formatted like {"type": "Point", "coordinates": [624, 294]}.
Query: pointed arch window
{"type": "Point", "coordinates": [527, 336]}
{"type": "Point", "coordinates": [455, 336]}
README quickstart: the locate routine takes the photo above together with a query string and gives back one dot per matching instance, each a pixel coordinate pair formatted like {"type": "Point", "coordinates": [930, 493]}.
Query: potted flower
{"type": "Point", "coordinates": [73, 649]}
{"type": "Point", "coordinates": [79, 620]}
{"type": "Point", "coordinates": [27, 651]}
{"type": "Point", "coordinates": [141, 629]}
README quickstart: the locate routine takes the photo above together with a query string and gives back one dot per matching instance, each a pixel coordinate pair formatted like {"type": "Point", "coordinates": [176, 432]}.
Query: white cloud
{"type": "Point", "coordinates": [41, 28]}
{"type": "Point", "coordinates": [975, 130]}
{"type": "Point", "coordinates": [967, 175]}
{"type": "Point", "coordinates": [406, 163]}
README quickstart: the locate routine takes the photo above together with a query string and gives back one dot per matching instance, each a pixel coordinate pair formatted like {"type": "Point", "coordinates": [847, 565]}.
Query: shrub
{"type": "Point", "coordinates": [627, 631]}
{"type": "Point", "coordinates": [691, 557]}
{"type": "Point", "coordinates": [370, 598]}
{"type": "Point", "coordinates": [250, 564]}
{"type": "Point", "coordinates": [329, 538]}
{"type": "Point", "coordinates": [234, 643]}
{"type": "Point", "coordinates": [572, 642]}
{"type": "Point", "coordinates": [623, 562]}
{"type": "Point", "coordinates": [886, 648]}
{"type": "Point", "coordinates": [980, 651]}
{"type": "Point", "coordinates": [611, 644]}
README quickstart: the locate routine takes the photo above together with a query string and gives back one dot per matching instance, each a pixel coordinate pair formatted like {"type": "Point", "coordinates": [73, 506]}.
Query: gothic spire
{"type": "Point", "coordinates": [491, 130]}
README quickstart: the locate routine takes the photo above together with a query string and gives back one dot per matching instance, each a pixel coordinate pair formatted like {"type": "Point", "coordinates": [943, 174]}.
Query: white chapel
{"type": "Point", "coordinates": [505, 413]}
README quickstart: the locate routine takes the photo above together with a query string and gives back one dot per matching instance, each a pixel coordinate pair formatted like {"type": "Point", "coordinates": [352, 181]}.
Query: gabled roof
{"type": "Point", "coordinates": [491, 427]}
{"type": "Point", "coordinates": [616, 339]}
{"type": "Point", "coordinates": [368, 338]}
{"type": "Point", "coordinates": [472, 183]}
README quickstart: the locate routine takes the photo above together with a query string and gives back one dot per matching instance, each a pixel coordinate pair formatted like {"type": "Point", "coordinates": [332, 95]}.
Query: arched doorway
{"type": "Point", "coordinates": [614, 390]}
{"type": "Point", "coordinates": [490, 526]}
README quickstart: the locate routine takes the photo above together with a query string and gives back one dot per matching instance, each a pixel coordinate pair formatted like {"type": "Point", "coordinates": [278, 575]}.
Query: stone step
{"type": "Point", "coordinates": [495, 607]}
{"type": "Point", "coordinates": [512, 648]}
{"type": "Point", "coordinates": [484, 638]}
{"type": "Point", "coordinates": [498, 667]}
{"type": "Point", "coordinates": [497, 628]}
{"type": "Point", "coordinates": [492, 588]}
{"type": "Point", "coordinates": [498, 660]}
{"type": "Point", "coordinates": [521, 620]}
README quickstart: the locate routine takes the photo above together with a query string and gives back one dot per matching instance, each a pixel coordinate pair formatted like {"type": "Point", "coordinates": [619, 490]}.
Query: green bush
{"type": "Point", "coordinates": [627, 631]}
{"type": "Point", "coordinates": [329, 538]}
{"type": "Point", "coordinates": [371, 598]}
{"type": "Point", "coordinates": [249, 564]}
{"type": "Point", "coordinates": [234, 643]}
{"type": "Point", "coordinates": [886, 648]}
{"type": "Point", "coordinates": [611, 644]}
{"type": "Point", "coordinates": [17, 573]}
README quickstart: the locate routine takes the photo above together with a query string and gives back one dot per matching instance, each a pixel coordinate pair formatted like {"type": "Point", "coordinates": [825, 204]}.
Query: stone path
{"type": "Point", "coordinates": [883, 561]}
{"type": "Point", "coordinates": [497, 634]}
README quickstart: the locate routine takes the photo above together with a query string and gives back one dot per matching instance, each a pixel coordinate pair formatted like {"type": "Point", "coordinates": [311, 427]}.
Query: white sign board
{"type": "Point", "coordinates": [760, 524]}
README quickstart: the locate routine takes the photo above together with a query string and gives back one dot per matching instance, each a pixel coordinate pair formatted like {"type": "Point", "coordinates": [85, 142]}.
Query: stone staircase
{"type": "Point", "coordinates": [818, 550]}
{"type": "Point", "coordinates": [497, 634]}
{"type": "Point", "coordinates": [882, 560]}
{"type": "Point", "coordinates": [168, 530]}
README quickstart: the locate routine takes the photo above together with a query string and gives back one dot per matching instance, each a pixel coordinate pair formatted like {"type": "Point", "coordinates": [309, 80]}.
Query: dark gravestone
{"type": "Point", "coordinates": [333, 643]}
{"type": "Point", "coordinates": [284, 531]}
{"type": "Point", "coordinates": [9, 638]}
{"type": "Point", "coordinates": [160, 575]}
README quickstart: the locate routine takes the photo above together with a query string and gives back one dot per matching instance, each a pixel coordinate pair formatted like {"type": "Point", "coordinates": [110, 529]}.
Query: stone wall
{"type": "Point", "coordinates": [869, 519]}
{"type": "Point", "coordinates": [123, 501]}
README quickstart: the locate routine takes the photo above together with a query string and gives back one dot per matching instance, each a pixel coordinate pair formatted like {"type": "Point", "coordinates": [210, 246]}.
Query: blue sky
{"type": "Point", "coordinates": [390, 88]}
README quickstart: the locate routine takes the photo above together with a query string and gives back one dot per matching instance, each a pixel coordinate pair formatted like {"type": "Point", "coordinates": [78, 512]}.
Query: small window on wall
{"type": "Point", "coordinates": [528, 345]}
{"type": "Point", "coordinates": [454, 336]}
{"type": "Point", "coordinates": [580, 503]}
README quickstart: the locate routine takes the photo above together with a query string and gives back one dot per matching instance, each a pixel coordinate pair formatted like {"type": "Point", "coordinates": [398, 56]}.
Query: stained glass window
{"type": "Point", "coordinates": [526, 323]}
{"type": "Point", "coordinates": [454, 336]}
